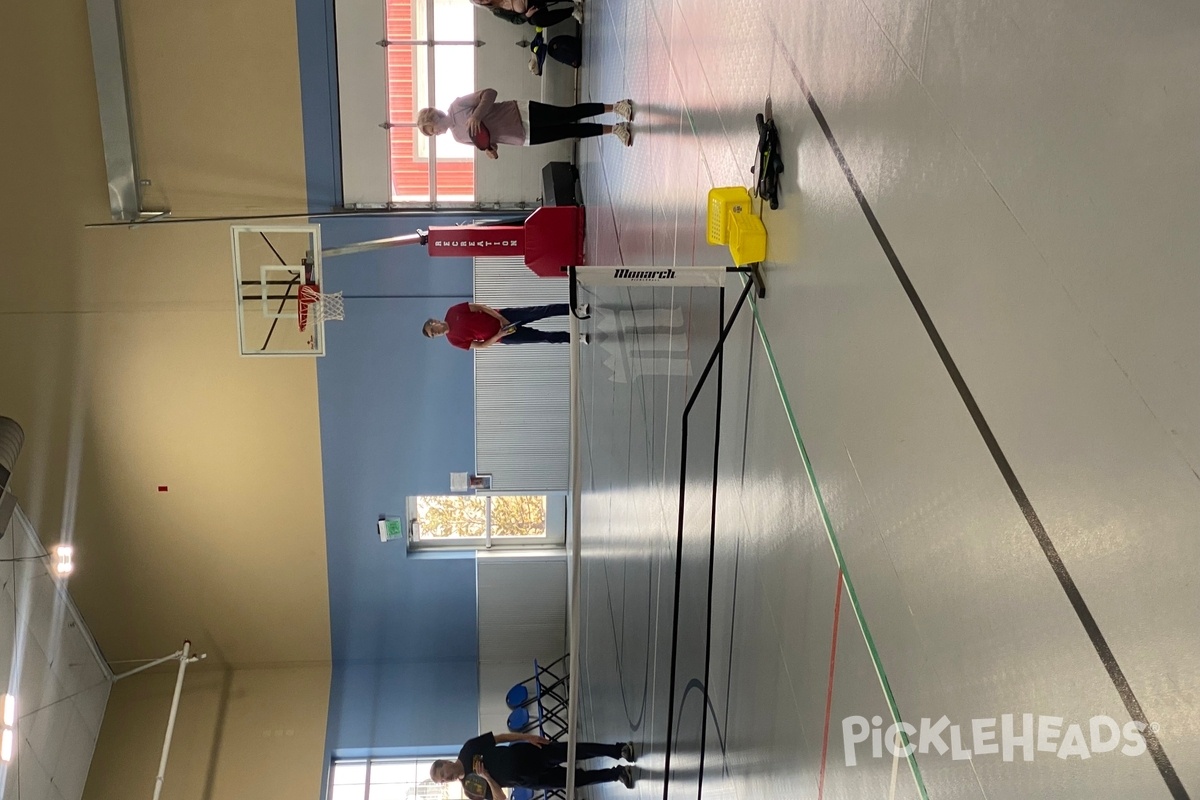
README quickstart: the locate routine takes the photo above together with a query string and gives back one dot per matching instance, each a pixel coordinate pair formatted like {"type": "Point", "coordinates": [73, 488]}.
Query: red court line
{"type": "Point", "coordinates": [837, 609]}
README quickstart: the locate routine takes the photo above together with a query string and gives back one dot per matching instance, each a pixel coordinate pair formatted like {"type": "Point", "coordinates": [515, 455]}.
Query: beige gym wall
{"type": "Point", "coordinates": [120, 361]}
{"type": "Point", "coordinates": [215, 90]}
{"type": "Point", "coordinates": [242, 734]}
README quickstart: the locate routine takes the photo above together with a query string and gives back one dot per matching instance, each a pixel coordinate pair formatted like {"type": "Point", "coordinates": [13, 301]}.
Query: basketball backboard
{"type": "Point", "coordinates": [270, 264]}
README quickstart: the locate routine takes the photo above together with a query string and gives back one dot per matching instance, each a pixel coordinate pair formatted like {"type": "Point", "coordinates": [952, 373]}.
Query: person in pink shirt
{"type": "Point", "coordinates": [522, 122]}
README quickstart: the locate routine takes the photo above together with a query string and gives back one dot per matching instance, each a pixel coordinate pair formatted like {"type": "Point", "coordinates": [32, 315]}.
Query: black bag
{"type": "Point", "coordinates": [566, 49]}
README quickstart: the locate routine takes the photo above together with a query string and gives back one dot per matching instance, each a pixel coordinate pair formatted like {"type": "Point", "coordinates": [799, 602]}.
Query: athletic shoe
{"type": "Point", "coordinates": [628, 753]}
{"type": "Point", "coordinates": [623, 132]}
{"type": "Point", "coordinates": [625, 776]}
{"type": "Point", "coordinates": [624, 109]}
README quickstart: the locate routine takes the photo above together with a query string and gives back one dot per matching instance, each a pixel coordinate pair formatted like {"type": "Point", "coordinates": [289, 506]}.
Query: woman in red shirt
{"type": "Point", "coordinates": [474, 326]}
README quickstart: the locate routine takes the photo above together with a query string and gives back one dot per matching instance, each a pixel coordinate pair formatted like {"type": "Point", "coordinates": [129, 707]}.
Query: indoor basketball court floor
{"type": "Point", "coordinates": [982, 334]}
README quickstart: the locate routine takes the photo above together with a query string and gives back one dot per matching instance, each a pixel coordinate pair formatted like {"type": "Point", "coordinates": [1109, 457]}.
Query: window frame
{"type": "Point", "coordinates": [399, 118]}
{"type": "Point", "coordinates": [370, 761]}
{"type": "Point", "coordinates": [553, 537]}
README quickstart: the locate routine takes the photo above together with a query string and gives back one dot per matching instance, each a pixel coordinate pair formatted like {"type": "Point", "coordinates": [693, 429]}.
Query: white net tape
{"type": "Point", "coordinates": [327, 307]}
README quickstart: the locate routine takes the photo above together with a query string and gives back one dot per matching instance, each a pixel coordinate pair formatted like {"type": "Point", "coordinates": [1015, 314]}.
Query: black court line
{"type": "Point", "coordinates": [1115, 673]}
{"type": "Point", "coordinates": [749, 387]}
{"type": "Point", "coordinates": [696, 683]}
{"type": "Point", "coordinates": [618, 642]}
{"type": "Point", "coordinates": [712, 542]}
{"type": "Point", "coordinates": [737, 561]}
{"type": "Point", "coordinates": [710, 710]}
{"type": "Point", "coordinates": [683, 449]}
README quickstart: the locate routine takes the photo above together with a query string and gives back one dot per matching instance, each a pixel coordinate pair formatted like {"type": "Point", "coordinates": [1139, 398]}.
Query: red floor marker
{"type": "Point", "coordinates": [837, 610]}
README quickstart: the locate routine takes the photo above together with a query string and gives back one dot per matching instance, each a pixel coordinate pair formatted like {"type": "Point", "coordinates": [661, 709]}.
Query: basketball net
{"type": "Point", "coordinates": [321, 307]}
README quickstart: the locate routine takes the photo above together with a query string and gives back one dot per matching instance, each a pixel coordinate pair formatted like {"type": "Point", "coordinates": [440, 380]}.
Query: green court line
{"type": "Point", "coordinates": [876, 661]}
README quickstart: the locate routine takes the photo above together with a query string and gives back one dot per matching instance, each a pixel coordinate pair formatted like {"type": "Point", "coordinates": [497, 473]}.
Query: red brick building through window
{"type": "Point", "coordinates": [410, 88]}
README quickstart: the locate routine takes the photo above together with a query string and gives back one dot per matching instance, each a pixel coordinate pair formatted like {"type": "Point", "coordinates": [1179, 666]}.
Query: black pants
{"type": "Point", "coordinates": [552, 123]}
{"type": "Point", "coordinates": [554, 776]}
{"type": "Point", "coordinates": [544, 17]}
{"type": "Point", "coordinates": [521, 317]}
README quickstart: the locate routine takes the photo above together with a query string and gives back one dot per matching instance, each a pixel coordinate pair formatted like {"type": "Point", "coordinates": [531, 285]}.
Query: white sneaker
{"type": "Point", "coordinates": [624, 109]}
{"type": "Point", "coordinates": [624, 133]}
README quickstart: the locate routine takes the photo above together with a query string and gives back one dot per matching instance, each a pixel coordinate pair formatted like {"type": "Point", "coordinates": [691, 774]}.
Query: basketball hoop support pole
{"type": "Point", "coordinates": [420, 237]}
{"type": "Point", "coordinates": [184, 657]}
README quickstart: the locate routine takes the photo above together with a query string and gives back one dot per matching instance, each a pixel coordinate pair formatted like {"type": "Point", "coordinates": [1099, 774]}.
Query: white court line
{"type": "Point", "coordinates": [979, 782]}
{"type": "Point", "coordinates": [897, 749]}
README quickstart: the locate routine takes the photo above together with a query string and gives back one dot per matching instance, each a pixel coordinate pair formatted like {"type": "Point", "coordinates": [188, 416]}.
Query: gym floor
{"type": "Point", "coordinates": [981, 332]}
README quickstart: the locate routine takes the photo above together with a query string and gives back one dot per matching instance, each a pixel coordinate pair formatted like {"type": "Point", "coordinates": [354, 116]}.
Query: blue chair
{"type": "Point", "coordinates": [540, 701]}
{"type": "Point", "coordinates": [517, 696]}
{"type": "Point", "coordinates": [519, 720]}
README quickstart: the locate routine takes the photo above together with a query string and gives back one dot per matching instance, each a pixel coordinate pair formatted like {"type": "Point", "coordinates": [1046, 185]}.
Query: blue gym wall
{"type": "Point", "coordinates": [319, 103]}
{"type": "Point", "coordinates": [397, 416]}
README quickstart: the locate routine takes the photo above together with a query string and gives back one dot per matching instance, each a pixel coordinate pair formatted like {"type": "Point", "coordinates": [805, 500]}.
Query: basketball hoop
{"type": "Point", "coordinates": [322, 307]}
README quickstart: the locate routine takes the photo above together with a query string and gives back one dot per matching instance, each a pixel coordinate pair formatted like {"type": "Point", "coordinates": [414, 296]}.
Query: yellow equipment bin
{"type": "Point", "coordinates": [731, 221]}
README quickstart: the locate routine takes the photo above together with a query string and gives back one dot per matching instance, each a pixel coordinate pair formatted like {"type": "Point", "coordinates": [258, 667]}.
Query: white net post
{"type": "Point", "coordinates": [574, 563]}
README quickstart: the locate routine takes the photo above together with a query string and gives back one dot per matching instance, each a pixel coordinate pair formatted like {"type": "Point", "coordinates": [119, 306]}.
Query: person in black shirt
{"type": "Point", "coordinates": [530, 761]}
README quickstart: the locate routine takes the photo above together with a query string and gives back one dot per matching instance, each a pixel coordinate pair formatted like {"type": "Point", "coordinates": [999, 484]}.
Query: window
{"type": "Point", "coordinates": [486, 521]}
{"type": "Point", "coordinates": [389, 779]}
{"type": "Point", "coordinates": [430, 62]}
